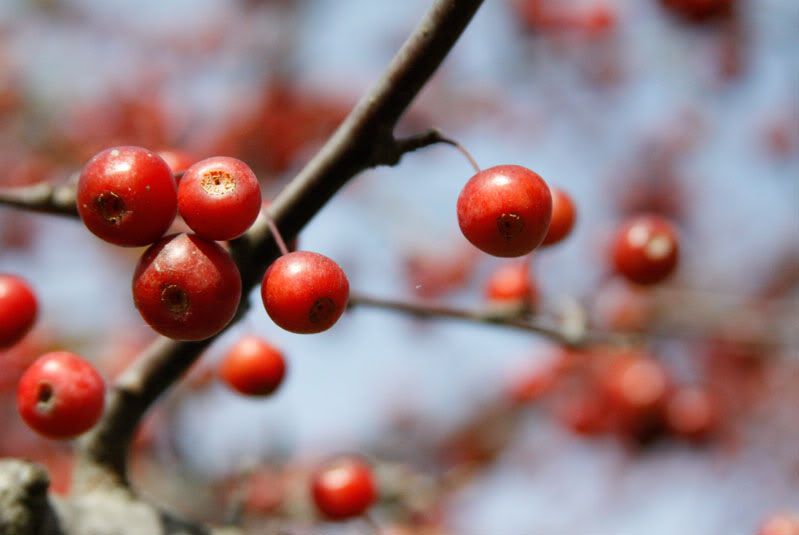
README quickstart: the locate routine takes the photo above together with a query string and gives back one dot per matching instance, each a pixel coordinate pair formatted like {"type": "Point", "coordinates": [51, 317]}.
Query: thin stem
{"type": "Point", "coordinates": [466, 153]}
{"type": "Point", "coordinates": [281, 244]}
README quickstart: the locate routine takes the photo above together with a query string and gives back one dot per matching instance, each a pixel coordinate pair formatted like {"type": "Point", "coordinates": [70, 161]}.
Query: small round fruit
{"type": "Point", "coordinates": [511, 284]}
{"type": "Point", "coordinates": [186, 287]}
{"type": "Point", "coordinates": [177, 160]}
{"type": "Point", "coordinates": [646, 250]}
{"type": "Point", "coordinates": [60, 395]}
{"type": "Point", "coordinates": [563, 216]}
{"type": "Point", "coordinates": [253, 367]}
{"type": "Point", "coordinates": [127, 196]}
{"type": "Point", "coordinates": [505, 210]}
{"type": "Point", "coordinates": [18, 309]}
{"type": "Point", "coordinates": [305, 292]}
{"type": "Point", "coordinates": [219, 198]}
{"type": "Point", "coordinates": [343, 488]}
{"type": "Point", "coordinates": [691, 413]}
{"type": "Point", "coordinates": [780, 524]}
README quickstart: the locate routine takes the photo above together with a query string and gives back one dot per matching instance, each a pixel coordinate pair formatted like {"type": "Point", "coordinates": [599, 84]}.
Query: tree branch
{"type": "Point", "coordinates": [365, 139]}
{"type": "Point", "coordinates": [44, 198]}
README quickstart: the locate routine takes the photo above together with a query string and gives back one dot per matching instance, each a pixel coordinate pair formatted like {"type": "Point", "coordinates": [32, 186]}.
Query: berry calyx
{"type": "Point", "coordinates": [646, 249]}
{"type": "Point", "coordinates": [253, 367]}
{"type": "Point", "coordinates": [60, 395]}
{"type": "Point", "coordinates": [18, 309]}
{"type": "Point", "coordinates": [219, 198]}
{"type": "Point", "coordinates": [512, 284]}
{"type": "Point", "coordinates": [186, 287]}
{"type": "Point", "coordinates": [343, 488]}
{"type": "Point", "coordinates": [505, 210]}
{"type": "Point", "coordinates": [127, 196]}
{"type": "Point", "coordinates": [305, 292]}
{"type": "Point", "coordinates": [563, 216]}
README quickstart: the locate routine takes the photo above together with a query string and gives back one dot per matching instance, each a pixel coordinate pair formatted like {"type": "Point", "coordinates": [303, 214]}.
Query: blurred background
{"type": "Point", "coordinates": [684, 108]}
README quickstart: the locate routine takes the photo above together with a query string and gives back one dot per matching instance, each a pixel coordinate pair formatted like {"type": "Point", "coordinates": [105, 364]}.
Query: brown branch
{"type": "Point", "coordinates": [44, 198]}
{"type": "Point", "coordinates": [510, 319]}
{"type": "Point", "coordinates": [365, 139]}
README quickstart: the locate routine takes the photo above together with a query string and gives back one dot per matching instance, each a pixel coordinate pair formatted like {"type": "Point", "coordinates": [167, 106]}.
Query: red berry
{"type": "Point", "coordinates": [343, 488]}
{"type": "Point", "coordinates": [635, 390]}
{"type": "Point", "coordinates": [127, 196]}
{"type": "Point", "coordinates": [691, 413]}
{"type": "Point", "coordinates": [505, 210]}
{"type": "Point", "coordinates": [186, 287]}
{"type": "Point", "coordinates": [60, 395]}
{"type": "Point", "coordinates": [18, 309]}
{"type": "Point", "coordinates": [219, 198]}
{"type": "Point", "coordinates": [563, 216]}
{"type": "Point", "coordinates": [253, 367]}
{"type": "Point", "coordinates": [511, 283]}
{"type": "Point", "coordinates": [305, 292]}
{"type": "Point", "coordinates": [177, 160]}
{"type": "Point", "coordinates": [646, 249]}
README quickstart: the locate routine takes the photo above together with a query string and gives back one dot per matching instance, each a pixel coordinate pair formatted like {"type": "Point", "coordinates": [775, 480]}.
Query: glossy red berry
{"type": "Point", "coordinates": [18, 309]}
{"type": "Point", "coordinates": [563, 216]}
{"type": "Point", "coordinates": [127, 196]}
{"type": "Point", "coordinates": [219, 198]}
{"type": "Point", "coordinates": [511, 284]}
{"type": "Point", "coordinates": [646, 249]}
{"type": "Point", "coordinates": [186, 287]}
{"type": "Point", "coordinates": [505, 210]}
{"type": "Point", "coordinates": [253, 367]}
{"type": "Point", "coordinates": [343, 488]}
{"type": "Point", "coordinates": [60, 395]}
{"type": "Point", "coordinates": [305, 292]}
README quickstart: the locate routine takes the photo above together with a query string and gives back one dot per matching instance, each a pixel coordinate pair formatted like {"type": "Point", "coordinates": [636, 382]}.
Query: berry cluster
{"type": "Point", "coordinates": [187, 286]}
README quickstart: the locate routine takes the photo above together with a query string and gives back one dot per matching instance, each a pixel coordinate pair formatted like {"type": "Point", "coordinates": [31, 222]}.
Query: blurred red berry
{"type": "Point", "coordinates": [18, 309]}
{"type": "Point", "coordinates": [511, 284]}
{"type": "Point", "coordinates": [343, 488]}
{"type": "Point", "coordinates": [646, 249]}
{"type": "Point", "coordinates": [60, 395]}
{"type": "Point", "coordinates": [253, 367]}
{"type": "Point", "coordinates": [563, 216]}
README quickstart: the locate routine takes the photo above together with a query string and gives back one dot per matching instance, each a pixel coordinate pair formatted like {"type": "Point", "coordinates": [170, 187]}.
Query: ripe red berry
{"type": "Point", "coordinates": [253, 367]}
{"type": "Point", "coordinates": [18, 309]}
{"type": "Point", "coordinates": [646, 249]}
{"type": "Point", "coordinates": [563, 216]}
{"type": "Point", "coordinates": [177, 160]}
{"type": "Point", "coordinates": [505, 210]}
{"type": "Point", "coordinates": [127, 196]}
{"type": "Point", "coordinates": [60, 395]}
{"type": "Point", "coordinates": [635, 390]}
{"type": "Point", "coordinates": [305, 292]}
{"type": "Point", "coordinates": [186, 287]}
{"type": "Point", "coordinates": [511, 284]}
{"type": "Point", "coordinates": [219, 198]}
{"type": "Point", "coordinates": [691, 413]}
{"type": "Point", "coordinates": [343, 488]}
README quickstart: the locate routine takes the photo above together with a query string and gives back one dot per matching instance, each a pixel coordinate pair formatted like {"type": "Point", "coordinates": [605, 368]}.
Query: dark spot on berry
{"type": "Point", "coordinates": [175, 299]}
{"type": "Point", "coordinates": [111, 207]}
{"type": "Point", "coordinates": [510, 225]}
{"type": "Point", "coordinates": [321, 310]}
{"type": "Point", "coordinates": [44, 397]}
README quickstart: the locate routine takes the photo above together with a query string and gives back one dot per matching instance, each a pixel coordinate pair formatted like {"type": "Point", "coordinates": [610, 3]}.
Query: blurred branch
{"type": "Point", "coordinates": [365, 139]}
{"type": "Point", "coordinates": [45, 198]}
{"type": "Point", "coordinates": [509, 318]}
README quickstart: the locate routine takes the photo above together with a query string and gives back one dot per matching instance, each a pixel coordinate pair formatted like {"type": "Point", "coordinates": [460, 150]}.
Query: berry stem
{"type": "Point", "coordinates": [281, 244]}
{"type": "Point", "coordinates": [466, 153]}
